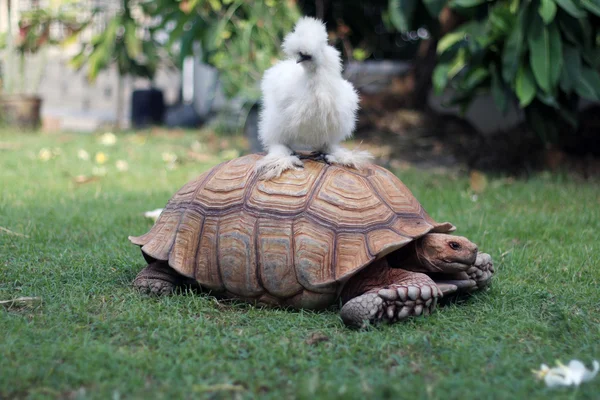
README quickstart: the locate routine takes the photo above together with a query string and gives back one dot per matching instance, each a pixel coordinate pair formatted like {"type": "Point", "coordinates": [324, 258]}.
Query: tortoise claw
{"type": "Point", "coordinates": [477, 277]}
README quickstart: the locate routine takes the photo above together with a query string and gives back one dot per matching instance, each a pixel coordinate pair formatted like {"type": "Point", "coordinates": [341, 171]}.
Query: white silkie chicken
{"type": "Point", "coordinates": [307, 105]}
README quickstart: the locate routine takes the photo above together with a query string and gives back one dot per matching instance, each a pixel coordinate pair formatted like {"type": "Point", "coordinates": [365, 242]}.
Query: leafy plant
{"type": "Point", "coordinates": [241, 38]}
{"type": "Point", "coordinates": [543, 55]}
{"type": "Point", "coordinates": [124, 42]}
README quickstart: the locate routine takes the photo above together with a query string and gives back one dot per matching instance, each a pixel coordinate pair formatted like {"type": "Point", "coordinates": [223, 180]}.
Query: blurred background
{"type": "Point", "coordinates": [502, 85]}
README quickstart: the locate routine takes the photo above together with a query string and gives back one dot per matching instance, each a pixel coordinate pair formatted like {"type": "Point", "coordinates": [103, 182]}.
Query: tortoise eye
{"type": "Point", "coordinates": [454, 246]}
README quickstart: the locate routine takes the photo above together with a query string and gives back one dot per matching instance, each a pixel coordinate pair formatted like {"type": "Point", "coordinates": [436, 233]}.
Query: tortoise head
{"type": "Point", "coordinates": [439, 252]}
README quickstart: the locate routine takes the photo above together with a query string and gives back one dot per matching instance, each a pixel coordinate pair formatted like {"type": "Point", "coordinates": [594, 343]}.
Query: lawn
{"type": "Point", "coordinates": [64, 224]}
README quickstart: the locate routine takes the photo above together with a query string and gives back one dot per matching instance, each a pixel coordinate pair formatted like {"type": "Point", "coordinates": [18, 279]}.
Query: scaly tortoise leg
{"type": "Point", "coordinates": [412, 294]}
{"type": "Point", "coordinates": [477, 277]}
{"type": "Point", "coordinates": [160, 279]}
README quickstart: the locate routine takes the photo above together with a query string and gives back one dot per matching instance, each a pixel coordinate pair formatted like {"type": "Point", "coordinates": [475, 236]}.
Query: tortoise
{"type": "Point", "coordinates": [308, 239]}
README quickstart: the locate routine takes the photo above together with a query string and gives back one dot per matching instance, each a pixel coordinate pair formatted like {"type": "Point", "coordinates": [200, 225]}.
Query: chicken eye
{"type": "Point", "coordinates": [304, 56]}
{"type": "Point", "coordinates": [454, 245]}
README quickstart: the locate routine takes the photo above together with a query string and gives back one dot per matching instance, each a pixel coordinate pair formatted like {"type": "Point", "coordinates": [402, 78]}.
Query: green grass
{"type": "Point", "coordinates": [95, 337]}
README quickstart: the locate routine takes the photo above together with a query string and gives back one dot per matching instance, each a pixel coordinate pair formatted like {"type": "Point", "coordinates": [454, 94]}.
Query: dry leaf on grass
{"type": "Point", "coordinates": [219, 387]}
{"type": "Point", "coordinates": [316, 337]}
{"type": "Point", "coordinates": [81, 179]}
{"type": "Point", "coordinates": [478, 181]}
{"type": "Point", "coordinates": [201, 157]}
{"type": "Point", "coordinates": [8, 231]}
{"type": "Point", "coordinates": [9, 146]}
{"type": "Point", "coordinates": [21, 302]}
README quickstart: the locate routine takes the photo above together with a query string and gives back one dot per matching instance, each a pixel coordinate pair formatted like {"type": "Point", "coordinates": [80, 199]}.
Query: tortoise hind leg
{"type": "Point", "coordinates": [160, 279]}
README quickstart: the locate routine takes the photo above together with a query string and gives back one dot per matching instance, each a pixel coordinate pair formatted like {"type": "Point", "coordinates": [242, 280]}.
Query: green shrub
{"type": "Point", "coordinates": [240, 38]}
{"type": "Point", "coordinates": [543, 55]}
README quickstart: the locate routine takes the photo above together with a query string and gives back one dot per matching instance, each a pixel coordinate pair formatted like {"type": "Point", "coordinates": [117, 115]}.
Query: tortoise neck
{"type": "Point", "coordinates": [412, 257]}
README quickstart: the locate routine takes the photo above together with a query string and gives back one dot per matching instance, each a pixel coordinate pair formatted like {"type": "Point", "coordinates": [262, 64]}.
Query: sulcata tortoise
{"type": "Point", "coordinates": [308, 239]}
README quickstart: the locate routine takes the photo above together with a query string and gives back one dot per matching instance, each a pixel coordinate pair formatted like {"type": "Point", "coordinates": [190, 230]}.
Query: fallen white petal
{"type": "Point", "coordinates": [580, 373]}
{"type": "Point", "coordinates": [83, 155]}
{"type": "Point", "coordinates": [572, 374]}
{"type": "Point", "coordinates": [154, 214]}
{"type": "Point", "coordinates": [122, 165]}
{"type": "Point", "coordinates": [108, 139]}
{"type": "Point", "coordinates": [45, 154]}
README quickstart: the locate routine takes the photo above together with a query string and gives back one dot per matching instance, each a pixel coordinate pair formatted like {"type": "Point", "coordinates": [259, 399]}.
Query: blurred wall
{"type": "Point", "coordinates": [70, 102]}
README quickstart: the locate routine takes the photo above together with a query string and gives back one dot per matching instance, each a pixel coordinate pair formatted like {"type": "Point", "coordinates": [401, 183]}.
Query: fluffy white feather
{"type": "Point", "coordinates": [307, 105]}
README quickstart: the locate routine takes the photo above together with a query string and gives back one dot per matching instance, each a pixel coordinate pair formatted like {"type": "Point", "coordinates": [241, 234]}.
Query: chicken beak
{"type": "Point", "coordinates": [302, 58]}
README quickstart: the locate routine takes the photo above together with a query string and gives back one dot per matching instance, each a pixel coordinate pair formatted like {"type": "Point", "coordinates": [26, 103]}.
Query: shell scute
{"type": "Point", "coordinates": [313, 256]}
{"type": "Point", "coordinates": [227, 186]}
{"type": "Point", "coordinates": [383, 241]}
{"type": "Point", "coordinates": [285, 195]}
{"type": "Point", "coordinates": [207, 269]}
{"type": "Point", "coordinates": [237, 254]}
{"type": "Point", "coordinates": [173, 210]}
{"type": "Point", "coordinates": [351, 253]}
{"type": "Point", "coordinates": [394, 192]}
{"type": "Point", "coordinates": [160, 239]}
{"type": "Point", "coordinates": [276, 258]}
{"type": "Point", "coordinates": [346, 200]}
{"type": "Point", "coordinates": [412, 226]}
{"type": "Point", "coordinates": [187, 240]}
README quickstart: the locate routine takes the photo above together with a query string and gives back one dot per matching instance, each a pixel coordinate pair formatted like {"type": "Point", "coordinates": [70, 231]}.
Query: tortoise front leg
{"type": "Point", "coordinates": [476, 277]}
{"type": "Point", "coordinates": [406, 294]}
{"type": "Point", "coordinates": [160, 279]}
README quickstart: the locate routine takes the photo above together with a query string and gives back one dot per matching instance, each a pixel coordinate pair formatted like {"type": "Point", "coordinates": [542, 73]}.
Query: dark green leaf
{"type": "Point", "coordinates": [547, 10]}
{"type": "Point", "coordinates": [592, 6]}
{"type": "Point", "coordinates": [474, 78]}
{"type": "Point", "coordinates": [564, 109]}
{"type": "Point", "coordinates": [440, 77]}
{"type": "Point", "coordinates": [498, 88]}
{"type": "Point", "coordinates": [545, 53]}
{"type": "Point", "coordinates": [578, 31]}
{"type": "Point", "coordinates": [458, 63]}
{"type": "Point", "coordinates": [591, 56]}
{"type": "Point", "coordinates": [501, 19]}
{"type": "Point", "coordinates": [571, 7]}
{"type": "Point", "coordinates": [187, 44]}
{"type": "Point", "coordinates": [513, 49]}
{"type": "Point", "coordinates": [466, 3]}
{"type": "Point", "coordinates": [401, 13]}
{"type": "Point", "coordinates": [572, 68]}
{"type": "Point", "coordinates": [434, 7]}
{"type": "Point", "coordinates": [565, 83]}
{"type": "Point", "coordinates": [588, 84]}
{"type": "Point", "coordinates": [548, 100]}
{"type": "Point", "coordinates": [525, 85]}
{"type": "Point", "coordinates": [449, 40]}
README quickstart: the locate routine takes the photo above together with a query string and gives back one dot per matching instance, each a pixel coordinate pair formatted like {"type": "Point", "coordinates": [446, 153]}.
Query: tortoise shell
{"type": "Point", "coordinates": [303, 233]}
